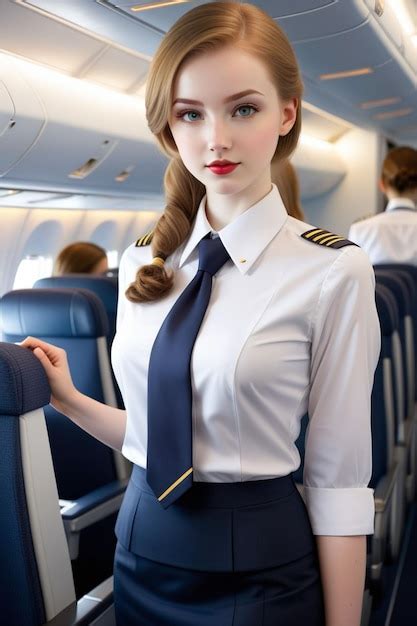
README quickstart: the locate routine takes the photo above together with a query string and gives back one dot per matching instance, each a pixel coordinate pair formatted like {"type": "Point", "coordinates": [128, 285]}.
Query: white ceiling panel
{"type": "Point", "coordinates": [43, 40]}
{"type": "Point", "coordinates": [349, 50]}
{"type": "Point", "coordinates": [117, 69]}
{"type": "Point", "coordinates": [161, 18]}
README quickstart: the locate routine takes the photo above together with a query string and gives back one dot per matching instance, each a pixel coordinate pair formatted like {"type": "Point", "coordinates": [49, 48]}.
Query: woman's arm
{"type": "Point", "coordinates": [103, 422]}
{"type": "Point", "coordinates": [342, 567]}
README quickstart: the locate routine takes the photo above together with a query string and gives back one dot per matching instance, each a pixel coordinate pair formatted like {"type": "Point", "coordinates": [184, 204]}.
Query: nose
{"type": "Point", "coordinates": [219, 138]}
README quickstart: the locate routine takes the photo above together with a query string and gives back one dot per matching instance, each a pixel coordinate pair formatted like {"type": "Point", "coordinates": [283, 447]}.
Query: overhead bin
{"type": "Point", "coordinates": [319, 166]}
{"type": "Point", "coordinates": [69, 134]}
{"type": "Point", "coordinates": [21, 115]}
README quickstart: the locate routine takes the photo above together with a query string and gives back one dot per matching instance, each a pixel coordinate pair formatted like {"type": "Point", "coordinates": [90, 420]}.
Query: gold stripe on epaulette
{"type": "Point", "coordinates": [145, 240]}
{"type": "Point", "coordinates": [325, 238]}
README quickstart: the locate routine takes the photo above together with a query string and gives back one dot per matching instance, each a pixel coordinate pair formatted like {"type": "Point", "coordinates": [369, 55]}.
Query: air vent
{"type": "Point", "coordinates": [371, 104]}
{"type": "Point", "coordinates": [84, 170]}
{"type": "Point", "coordinates": [124, 174]}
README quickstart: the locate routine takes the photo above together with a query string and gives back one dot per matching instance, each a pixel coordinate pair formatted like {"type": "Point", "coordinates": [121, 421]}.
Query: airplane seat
{"type": "Point", "coordinates": [385, 479]}
{"type": "Point", "coordinates": [112, 272]}
{"type": "Point", "coordinates": [36, 583]}
{"type": "Point", "coordinates": [400, 287]}
{"type": "Point", "coordinates": [106, 288]}
{"type": "Point", "coordinates": [387, 400]}
{"type": "Point", "coordinates": [74, 319]}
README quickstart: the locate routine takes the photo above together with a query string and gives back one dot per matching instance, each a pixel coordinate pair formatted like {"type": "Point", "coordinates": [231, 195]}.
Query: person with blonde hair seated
{"type": "Point", "coordinates": [81, 257]}
{"type": "Point", "coordinates": [285, 177]}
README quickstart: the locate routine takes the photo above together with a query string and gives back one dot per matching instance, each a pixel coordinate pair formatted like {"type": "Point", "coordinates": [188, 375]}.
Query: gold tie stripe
{"type": "Point", "coordinates": [175, 484]}
{"type": "Point", "coordinates": [325, 238]}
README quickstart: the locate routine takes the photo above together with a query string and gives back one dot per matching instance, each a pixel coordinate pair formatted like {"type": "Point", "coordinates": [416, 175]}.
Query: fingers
{"type": "Point", "coordinates": [49, 351]}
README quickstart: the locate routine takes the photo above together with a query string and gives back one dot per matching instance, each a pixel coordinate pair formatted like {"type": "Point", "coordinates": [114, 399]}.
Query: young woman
{"type": "Point", "coordinates": [81, 257]}
{"type": "Point", "coordinates": [235, 320]}
{"type": "Point", "coordinates": [391, 236]}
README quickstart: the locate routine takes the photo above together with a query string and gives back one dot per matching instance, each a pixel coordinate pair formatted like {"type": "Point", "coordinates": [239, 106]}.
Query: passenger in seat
{"type": "Point", "coordinates": [81, 257]}
{"type": "Point", "coordinates": [391, 236]}
{"type": "Point", "coordinates": [284, 175]}
{"type": "Point", "coordinates": [234, 321]}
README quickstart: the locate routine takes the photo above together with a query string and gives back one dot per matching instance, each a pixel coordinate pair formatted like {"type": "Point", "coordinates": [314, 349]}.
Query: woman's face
{"type": "Point", "coordinates": [226, 108]}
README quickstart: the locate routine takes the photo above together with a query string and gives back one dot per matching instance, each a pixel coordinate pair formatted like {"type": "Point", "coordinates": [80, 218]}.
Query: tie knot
{"type": "Point", "coordinates": [212, 255]}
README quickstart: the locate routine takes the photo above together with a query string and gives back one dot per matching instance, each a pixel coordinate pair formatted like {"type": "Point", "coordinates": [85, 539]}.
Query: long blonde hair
{"type": "Point", "coordinates": [203, 29]}
{"type": "Point", "coordinates": [283, 174]}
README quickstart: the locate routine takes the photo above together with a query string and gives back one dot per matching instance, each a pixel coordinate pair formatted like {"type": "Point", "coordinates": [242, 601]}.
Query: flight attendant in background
{"type": "Point", "coordinates": [391, 236]}
{"type": "Point", "coordinates": [234, 320]}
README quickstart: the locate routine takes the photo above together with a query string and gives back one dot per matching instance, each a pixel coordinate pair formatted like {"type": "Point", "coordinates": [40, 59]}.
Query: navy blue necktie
{"type": "Point", "coordinates": [170, 455]}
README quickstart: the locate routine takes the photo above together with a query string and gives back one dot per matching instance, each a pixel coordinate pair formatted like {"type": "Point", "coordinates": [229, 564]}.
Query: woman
{"type": "Point", "coordinates": [284, 176]}
{"type": "Point", "coordinates": [81, 257]}
{"type": "Point", "coordinates": [212, 529]}
{"type": "Point", "coordinates": [391, 236]}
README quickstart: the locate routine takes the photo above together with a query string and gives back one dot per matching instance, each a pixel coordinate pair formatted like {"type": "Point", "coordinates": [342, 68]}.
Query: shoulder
{"type": "Point", "coordinates": [314, 240]}
{"type": "Point", "coordinates": [334, 254]}
{"type": "Point", "coordinates": [137, 254]}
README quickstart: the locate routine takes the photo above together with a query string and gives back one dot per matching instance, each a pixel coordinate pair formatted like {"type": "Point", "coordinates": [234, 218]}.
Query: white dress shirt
{"type": "Point", "coordinates": [391, 236]}
{"type": "Point", "coordinates": [291, 327]}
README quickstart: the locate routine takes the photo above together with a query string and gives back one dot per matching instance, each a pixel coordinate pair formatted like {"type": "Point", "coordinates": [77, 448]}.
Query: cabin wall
{"type": "Point", "coordinates": [358, 194]}
{"type": "Point", "coordinates": [27, 232]}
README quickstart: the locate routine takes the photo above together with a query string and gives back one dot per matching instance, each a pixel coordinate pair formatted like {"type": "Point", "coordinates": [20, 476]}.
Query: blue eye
{"type": "Point", "coordinates": [190, 116]}
{"type": "Point", "coordinates": [245, 110]}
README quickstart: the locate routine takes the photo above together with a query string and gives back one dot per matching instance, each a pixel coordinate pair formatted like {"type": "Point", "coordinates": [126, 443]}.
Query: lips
{"type": "Point", "coordinates": [222, 167]}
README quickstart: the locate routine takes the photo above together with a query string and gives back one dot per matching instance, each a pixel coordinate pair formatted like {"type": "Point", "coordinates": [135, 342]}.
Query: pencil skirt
{"type": "Point", "coordinates": [233, 554]}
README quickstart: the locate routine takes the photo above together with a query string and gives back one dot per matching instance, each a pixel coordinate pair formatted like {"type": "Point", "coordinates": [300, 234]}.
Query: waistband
{"type": "Point", "coordinates": [226, 495]}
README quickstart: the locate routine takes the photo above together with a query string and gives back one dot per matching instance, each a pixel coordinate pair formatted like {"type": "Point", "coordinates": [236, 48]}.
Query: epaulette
{"type": "Point", "coordinates": [326, 238]}
{"type": "Point", "coordinates": [145, 240]}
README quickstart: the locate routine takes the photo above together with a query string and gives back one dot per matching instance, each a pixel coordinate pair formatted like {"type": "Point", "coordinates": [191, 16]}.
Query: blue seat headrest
{"type": "Point", "coordinates": [398, 287]}
{"type": "Point", "coordinates": [387, 310]}
{"type": "Point", "coordinates": [53, 313]}
{"type": "Point", "coordinates": [23, 383]}
{"type": "Point", "coordinates": [103, 286]}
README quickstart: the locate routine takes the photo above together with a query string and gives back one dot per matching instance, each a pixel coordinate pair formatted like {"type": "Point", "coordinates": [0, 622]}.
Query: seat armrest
{"type": "Point", "coordinates": [89, 509]}
{"type": "Point", "coordinates": [95, 606]}
{"type": "Point", "coordinates": [384, 489]}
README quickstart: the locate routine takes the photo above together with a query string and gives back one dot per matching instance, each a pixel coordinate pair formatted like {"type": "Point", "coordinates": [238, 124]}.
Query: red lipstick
{"type": "Point", "coordinates": [222, 167]}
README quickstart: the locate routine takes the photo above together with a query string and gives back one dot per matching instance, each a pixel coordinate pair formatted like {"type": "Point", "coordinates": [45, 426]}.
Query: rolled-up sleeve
{"type": "Point", "coordinates": [345, 349]}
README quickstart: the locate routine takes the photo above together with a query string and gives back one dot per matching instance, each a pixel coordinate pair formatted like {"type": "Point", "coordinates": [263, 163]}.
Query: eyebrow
{"type": "Point", "coordinates": [235, 96]}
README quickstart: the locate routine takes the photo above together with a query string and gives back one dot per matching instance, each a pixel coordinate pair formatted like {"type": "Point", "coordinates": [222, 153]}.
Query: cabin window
{"type": "Point", "coordinates": [30, 269]}
{"type": "Point", "coordinates": [113, 258]}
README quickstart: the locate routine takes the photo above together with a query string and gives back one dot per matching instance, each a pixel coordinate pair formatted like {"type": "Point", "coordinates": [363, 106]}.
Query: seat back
{"type": "Point", "coordinates": [73, 319]}
{"type": "Point", "coordinates": [105, 288]}
{"type": "Point", "coordinates": [35, 570]}
{"type": "Point", "coordinates": [411, 271]}
{"type": "Point", "coordinates": [404, 385]}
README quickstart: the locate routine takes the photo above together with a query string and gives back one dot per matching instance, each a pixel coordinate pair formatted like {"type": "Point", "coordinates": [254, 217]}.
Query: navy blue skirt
{"type": "Point", "coordinates": [229, 554]}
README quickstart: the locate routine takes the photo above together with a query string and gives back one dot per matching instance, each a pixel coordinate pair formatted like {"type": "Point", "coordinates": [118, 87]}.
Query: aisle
{"type": "Point", "coordinates": [399, 604]}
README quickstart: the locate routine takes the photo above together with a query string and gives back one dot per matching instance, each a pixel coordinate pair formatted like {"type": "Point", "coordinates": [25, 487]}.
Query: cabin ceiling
{"type": "Point", "coordinates": [104, 41]}
{"type": "Point", "coordinates": [107, 42]}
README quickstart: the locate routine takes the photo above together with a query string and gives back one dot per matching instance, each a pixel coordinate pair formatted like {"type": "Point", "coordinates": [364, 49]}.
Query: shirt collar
{"type": "Point", "coordinates": [247, 236]}
{"type": "Point", "coordinates": [400, 203]}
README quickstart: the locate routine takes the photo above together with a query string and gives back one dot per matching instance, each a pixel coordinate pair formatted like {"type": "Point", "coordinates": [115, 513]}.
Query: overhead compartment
{"type": "Point", "coordinates": [71, 135]}
{"type": "Point", "coordinates": [319, 166]}
{"type": "Point", "coordinates": [21, 115]}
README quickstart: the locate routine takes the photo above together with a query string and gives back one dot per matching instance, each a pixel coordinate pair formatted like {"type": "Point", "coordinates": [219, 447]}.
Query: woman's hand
{"type": "Point", "coordinates": [55, 364]}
